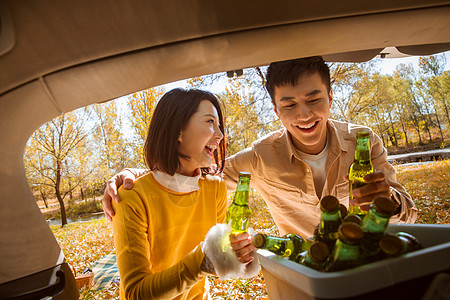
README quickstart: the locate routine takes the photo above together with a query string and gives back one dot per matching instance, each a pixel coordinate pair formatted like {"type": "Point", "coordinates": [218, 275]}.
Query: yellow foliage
{"type": "Point", "coordinates": [142, 105]}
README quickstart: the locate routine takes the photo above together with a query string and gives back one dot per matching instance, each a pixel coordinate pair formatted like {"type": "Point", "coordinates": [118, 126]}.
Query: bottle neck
{"type": "Point", "coordinates": [330, 216]}
{"type": "Point", "coordinates": [344, 251]}
{"type": "Point", "coordinates": [374, 222]}
{"type": "Point", "coordinates": [273, 241]}
{"type": "Point", "coordinates": [362, 151]}
{"type": "Point", "coordinates": [279, 245]}
{"type": "Point", "coordinates": [241, 194]}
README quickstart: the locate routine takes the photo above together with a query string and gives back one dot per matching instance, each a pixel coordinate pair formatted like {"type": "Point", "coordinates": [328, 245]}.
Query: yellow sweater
{"type": "Point", "coordinates": [157, 235]}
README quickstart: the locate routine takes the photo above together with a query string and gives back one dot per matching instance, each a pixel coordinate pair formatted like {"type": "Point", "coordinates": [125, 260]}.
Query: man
{"type": "Point", "coordinates": [294, 167]}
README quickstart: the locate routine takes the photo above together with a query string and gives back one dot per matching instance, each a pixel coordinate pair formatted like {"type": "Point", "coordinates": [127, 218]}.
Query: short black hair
{"type": "Point", "coordinates": [289, 71]}
{"type": "Point", "coordinates": [171, 115]}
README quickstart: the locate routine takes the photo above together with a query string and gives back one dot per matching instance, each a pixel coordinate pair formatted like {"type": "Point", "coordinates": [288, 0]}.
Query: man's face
{"type": "Point", "coordinates": [304, 110]}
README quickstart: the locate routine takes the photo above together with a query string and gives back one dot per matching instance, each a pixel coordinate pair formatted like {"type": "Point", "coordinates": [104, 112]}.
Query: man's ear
{"type": "Point", "coordinates": [275, 109]}
{"type": "Point", "coordinates": [330, 97]}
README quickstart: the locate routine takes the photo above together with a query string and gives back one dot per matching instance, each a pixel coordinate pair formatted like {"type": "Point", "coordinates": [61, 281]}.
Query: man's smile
{"type": "Point", "coordinates": [307, 128]}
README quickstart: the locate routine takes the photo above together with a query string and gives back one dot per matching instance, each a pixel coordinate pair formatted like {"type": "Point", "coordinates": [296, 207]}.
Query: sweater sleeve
{"type": "Point", "coordinates": [408, 213]}
{"type": "Point", "coordinates": [130, 226]}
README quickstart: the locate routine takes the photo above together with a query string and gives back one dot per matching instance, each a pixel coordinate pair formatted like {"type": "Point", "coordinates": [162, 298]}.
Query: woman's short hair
{"type": "Point", "coordinates": [171, 115]}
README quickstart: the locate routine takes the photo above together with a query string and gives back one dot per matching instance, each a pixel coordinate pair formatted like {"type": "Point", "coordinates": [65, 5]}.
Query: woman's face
{"type": "Point", "coordinates": [199, 139]}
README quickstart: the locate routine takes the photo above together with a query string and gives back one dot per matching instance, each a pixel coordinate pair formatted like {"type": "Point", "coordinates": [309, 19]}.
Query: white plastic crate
{"type": "Point", "coordinates": [409, 276]}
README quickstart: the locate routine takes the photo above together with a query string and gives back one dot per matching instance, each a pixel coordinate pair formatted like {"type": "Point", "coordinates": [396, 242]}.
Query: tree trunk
{"type": "Point", "coordinates": [438, 122]}
{"type": "Point", "coordinates": [447, 113]}
{"type": "Point", "coordinates": [44, 198]}
{"type": "Point", "coordinates": [380, 132]}
{"type": "Point", "coordinates": [82, 194]}
{"type": "Point", "coordinates": [417, 127]}
{"type": "Point", "coordinates": [427, 128]}
{"type": "Point", "coordinates": [70, 193]}
{"type": "Point", "coordinates": [394, 141]}
{"type": "Point", "coordinates": [59, 197]}
{"type": "Point", "coordinates": [406, 134]}
{"type": "Point", "coordinates": [420, 138]}
{"type": "Point", "coordinates": [62, 208]}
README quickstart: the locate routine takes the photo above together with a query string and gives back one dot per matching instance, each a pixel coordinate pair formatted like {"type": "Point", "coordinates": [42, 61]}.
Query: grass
{"type": "Point", "coordinates": [84, 243]}
{"type": "Point", "coordinates": [429, 186]}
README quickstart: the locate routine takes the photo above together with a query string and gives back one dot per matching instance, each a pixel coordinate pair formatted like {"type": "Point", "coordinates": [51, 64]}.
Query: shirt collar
{"type": "Point", "coordinates": [178, 183]}
{"type": "Point", "coordinates": [290, 145]}
{"type": "Point", "coordinates": [338, 142]}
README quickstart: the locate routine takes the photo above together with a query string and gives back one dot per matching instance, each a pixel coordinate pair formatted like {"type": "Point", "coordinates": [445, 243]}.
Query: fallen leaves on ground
{"type": "Point", "coordinates": [85, 242]}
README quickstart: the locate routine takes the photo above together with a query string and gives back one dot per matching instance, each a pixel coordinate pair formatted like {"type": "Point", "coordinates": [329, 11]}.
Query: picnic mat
{"type": "Point", "coordinates": [105, 271]}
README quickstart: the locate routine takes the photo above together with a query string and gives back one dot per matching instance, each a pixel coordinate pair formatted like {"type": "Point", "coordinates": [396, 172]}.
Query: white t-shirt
{"type": "Point", "coordinates": [317, 164]}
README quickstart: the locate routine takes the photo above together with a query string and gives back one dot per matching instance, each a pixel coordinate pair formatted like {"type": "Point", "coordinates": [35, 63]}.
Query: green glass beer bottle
{"type": "Point", "coordinates": [345, 254]}
{"type": "Point", "coordinates": [414, 243]}
{"type": "Point", "coordinates": [288, 246]}
{"type": "Point", "coordinates": [238, 213]}
{"type": "Point", "coordinates": [392, 245]}
{"type": "Point", "coordinates": [300, 244]}
{"type": "Point", "coordinates": [360, 167]}
{"type": "Point", "coordinates": [373, 225]}
{"type": "Point", "coordinates": [330, 220]}
{"type": "Point", "coordinates": [315, 257]}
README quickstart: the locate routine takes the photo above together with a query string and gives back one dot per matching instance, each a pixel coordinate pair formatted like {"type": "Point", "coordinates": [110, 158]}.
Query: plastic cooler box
{"type": "Point", "coordinates": [422, 274]}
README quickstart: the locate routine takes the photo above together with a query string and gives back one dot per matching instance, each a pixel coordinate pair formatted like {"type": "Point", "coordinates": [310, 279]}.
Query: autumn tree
{"type": "Point", "coordinates": [141, 106]}
{"type": "Point", "coordinates": [55, 141]}
{"type": "Point", "coordinates": [111, 154]}
{"type": "Point", "coordinates": [350, 82]}
{"type": "Point", "coordinates": [241, 121]}
{"type": "Point", "coordinates": [433, 82]}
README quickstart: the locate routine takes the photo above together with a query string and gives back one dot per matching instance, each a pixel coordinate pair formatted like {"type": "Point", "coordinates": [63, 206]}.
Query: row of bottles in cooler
{"type": "Point", "coordinates": [343, 241]}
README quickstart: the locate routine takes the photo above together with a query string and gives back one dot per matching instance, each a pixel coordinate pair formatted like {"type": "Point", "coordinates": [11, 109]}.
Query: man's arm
{"type": "Point", "coordinates": [407, 210]}
{"type": "Point", "coordinates": [243, 161]}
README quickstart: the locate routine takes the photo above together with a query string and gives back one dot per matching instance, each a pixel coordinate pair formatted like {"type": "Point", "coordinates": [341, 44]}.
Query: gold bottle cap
{"type": "Point", "coordinates": [319, 251]}
{"type": "Point", "coordinates": [259, 240]}
{"type": "Point", "coordinates": [350, 233]}
{"type": "Point", "coordinates": [391, 245]}
{"type": "Point", "coordinates": [244, 174]}
{"type": "Point", "coordinates": [329, 203]}
{"type": "Point", "coordinates": [363, 133]}
{"type": "Point", "coordinates": [384, 205]}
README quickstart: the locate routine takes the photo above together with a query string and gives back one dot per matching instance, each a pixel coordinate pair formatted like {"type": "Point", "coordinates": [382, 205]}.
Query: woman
{"type": "Point", "coordinates": [160, 224]}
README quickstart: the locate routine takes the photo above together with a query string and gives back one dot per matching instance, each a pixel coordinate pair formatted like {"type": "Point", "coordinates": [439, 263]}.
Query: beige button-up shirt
{"type": "Point", "coordinates": [286, 182]}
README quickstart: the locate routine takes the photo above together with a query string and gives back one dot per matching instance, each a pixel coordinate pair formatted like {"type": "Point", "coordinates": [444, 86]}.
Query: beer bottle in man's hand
{"type": "Point", "coordinates": [361, 167]}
